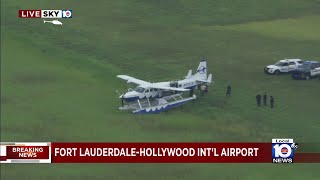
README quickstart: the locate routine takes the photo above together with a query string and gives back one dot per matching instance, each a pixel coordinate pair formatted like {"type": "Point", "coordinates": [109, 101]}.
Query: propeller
{"type": "Point", "coordinates": [121, 97]}
{"type": "Point", "coordinates": [122, 101]}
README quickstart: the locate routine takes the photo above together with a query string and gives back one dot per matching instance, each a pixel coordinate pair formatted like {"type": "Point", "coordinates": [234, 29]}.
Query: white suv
{"type": "Point", "coordinates": [307, 70]}
{"type": "Point", "coordinates": [283, 66]}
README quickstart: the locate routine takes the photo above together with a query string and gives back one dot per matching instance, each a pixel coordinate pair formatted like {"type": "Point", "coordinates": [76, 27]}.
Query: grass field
{"type": "Point", "coordinates": [59, 83]}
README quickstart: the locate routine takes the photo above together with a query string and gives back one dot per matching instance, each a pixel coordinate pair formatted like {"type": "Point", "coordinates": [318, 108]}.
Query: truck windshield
{"type": "Point", "coordinates": [278, 64]}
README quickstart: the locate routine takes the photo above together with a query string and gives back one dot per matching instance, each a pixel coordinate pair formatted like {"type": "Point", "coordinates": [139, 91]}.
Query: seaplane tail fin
{"type": "Point", "coordinates": [201, 71]}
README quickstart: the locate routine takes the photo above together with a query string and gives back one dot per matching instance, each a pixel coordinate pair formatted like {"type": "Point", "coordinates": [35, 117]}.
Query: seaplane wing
{"type": "Point", "coordinates": [133, 80]}
{"type": "Point", "coordinates": [166, 88]}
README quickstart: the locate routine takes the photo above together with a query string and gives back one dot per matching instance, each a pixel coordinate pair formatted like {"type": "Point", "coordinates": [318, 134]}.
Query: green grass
{"type": "Point", "coordinates": [302, 28]}
{"type": "Point", "coordinates": [58, 83]}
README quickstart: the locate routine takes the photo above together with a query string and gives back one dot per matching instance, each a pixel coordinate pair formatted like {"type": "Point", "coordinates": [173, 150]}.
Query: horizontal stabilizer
{"type": "Point", "coordinates": [189, 74]}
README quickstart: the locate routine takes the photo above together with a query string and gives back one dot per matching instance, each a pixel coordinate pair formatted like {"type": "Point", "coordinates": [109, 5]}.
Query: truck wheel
{"type": "Point", "coordinates": [276, 72]}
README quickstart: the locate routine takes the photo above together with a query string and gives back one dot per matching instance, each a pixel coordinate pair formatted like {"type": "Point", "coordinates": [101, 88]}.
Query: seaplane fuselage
{"type": "Point", "coordinates": [141, 92]}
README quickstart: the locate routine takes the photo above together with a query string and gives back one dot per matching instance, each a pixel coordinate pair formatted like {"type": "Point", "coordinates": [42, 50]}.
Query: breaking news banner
{"type": "Point", "coordinates": [279, 151]}
{"type": "Point", "coordinates": [23, 152]}
{"type": "Point", "coordinates": [45, 14]}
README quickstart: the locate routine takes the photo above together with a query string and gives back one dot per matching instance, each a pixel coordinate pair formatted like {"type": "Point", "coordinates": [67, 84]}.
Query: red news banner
{"type": "Point", "coordinates": [161, 152]}
{"type": "Point", "coordinates": [146, 153]}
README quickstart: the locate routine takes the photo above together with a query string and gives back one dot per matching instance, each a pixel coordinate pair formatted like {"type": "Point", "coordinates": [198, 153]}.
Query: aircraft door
{"type": "Point", "coordinates": [148, 93]}
{"type": "Point", "coordinates": [174, 84]}
{"type": "Point", "coordinates": [159, 92]}
{"type": "Point", "coordinates": [153, 92]}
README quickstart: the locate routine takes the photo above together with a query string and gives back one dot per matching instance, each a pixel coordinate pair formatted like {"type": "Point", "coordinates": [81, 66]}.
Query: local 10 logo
{"type": "Point", "coordinates": [283, 150]}
{"type": "Point", "coordinates": [66, 13]}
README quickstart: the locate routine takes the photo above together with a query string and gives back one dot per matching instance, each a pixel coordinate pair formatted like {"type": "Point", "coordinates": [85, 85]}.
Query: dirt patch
{"type": "Point", "coordinates": [34, 78]}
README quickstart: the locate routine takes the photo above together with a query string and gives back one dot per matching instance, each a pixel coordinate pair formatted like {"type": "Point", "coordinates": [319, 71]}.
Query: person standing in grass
{"type": "Point", "coordinates": [228, 93]}
{"type": "Point", "coordinates": [203, 88]}
{"type": "Point", "coordinates": [207, 88]}
{"type": "Point", "coordinates": [271, 101]}
{"type": "Point", "coordinates": [258, 98]}
{"type": "Point", "coordinates": [265, 99]}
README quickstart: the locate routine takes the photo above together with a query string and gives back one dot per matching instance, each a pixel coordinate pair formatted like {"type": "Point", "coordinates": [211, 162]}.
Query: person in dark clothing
{"type": "Point", "coordinates": [207, 88]}
{"type": "Point", "coordinates": [191, 92]}
{"type": "Point", "coordinates": [228, 93]}
{"type": "Point", "coordinates": [265, 99]}
{"type": "Point", "coordinates": [199, 88]}
{"type": "Point", "coordinates": [271, 101]}
{"type": "Point", "coordinates": [258, 98]}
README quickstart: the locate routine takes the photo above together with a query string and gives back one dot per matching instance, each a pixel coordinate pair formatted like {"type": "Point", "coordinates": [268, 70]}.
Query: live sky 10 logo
{"type": "Point", "coordinates": [67, 13]}
{"type": "Point", "coordinates": [283, 150]}
{"type": "Point", "coordinates": [56, 13]}
{"type": "Point", "coordinates": [45, 13]}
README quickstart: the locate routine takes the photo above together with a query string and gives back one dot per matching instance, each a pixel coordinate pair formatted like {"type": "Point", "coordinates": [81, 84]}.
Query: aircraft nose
{"type": "Point", "coordinates": [125, 95]}
{"type": "Point", "coordinates": [129, 96]}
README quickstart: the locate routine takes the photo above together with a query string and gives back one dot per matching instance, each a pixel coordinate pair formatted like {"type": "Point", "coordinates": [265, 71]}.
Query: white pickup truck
{"type": "Point", "coordinates": [283, 66]}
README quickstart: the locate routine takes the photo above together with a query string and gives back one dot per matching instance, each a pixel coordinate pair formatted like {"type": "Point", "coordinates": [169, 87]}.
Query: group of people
{"type": "Point", "coordinates": [265, 99]}
{"type": "Point", "coordinates": [258, 98]}
{"type": "Point", "coordinates": [202, 88]}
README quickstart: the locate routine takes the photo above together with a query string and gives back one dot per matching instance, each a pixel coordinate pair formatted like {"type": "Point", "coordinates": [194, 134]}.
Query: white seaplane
{"type": "Point", "coordinates": [158, 97]}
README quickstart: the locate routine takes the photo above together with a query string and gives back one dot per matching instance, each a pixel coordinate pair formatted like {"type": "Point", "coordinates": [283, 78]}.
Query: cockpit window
{"type": "Point", "coordinates": [139, 89]}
